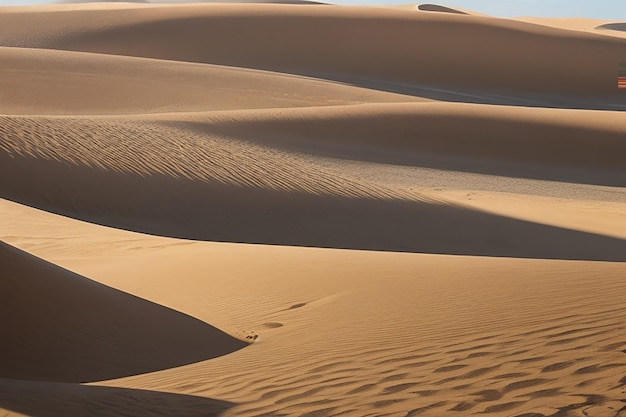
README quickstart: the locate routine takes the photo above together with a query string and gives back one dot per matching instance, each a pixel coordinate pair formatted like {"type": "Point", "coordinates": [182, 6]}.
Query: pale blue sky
{"type": "Point", "coordinates": [601, 9]}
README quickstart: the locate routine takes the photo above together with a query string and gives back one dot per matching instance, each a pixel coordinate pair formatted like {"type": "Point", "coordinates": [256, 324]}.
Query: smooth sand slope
{"type": "Point", "coordinates": [228, 185]}
{"type": "Point", "coordinates": [58, 82]}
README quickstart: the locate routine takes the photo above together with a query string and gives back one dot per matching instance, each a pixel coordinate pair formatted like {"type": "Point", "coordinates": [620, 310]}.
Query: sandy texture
{"type": "Point", "coordinates": [277, 210]}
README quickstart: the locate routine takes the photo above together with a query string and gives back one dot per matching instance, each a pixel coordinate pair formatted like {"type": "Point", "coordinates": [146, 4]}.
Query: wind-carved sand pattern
{"type": "Point", "coordinates": [120, 147]}
{"type": "Point", "coordinates": [517, 365]}
{"type": "Point", "coordinates": [249, 210]}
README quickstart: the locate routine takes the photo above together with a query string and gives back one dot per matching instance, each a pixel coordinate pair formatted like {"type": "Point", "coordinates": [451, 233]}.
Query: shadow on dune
{"type": "Point", "coordinates": [162, 205]}
{"type": "Point", "coordinates": [451, 139]}
{"type": "Point", "coordinates": [621, 27]}
{"type": "Point", "coordinates": [59, 326]}
{"type": "Point", "coordinates": [610, 101]}
{"type": "Point", "coordinates": [51, 399]}
{"type": "Point", "coordinates": [437, 8]}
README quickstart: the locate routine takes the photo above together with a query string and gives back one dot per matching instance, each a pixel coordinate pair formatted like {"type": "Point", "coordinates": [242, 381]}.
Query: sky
{"type": "Point", "coordinates": [599, 9]}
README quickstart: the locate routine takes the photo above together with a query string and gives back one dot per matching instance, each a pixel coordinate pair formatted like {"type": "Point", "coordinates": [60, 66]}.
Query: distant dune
{"type": "Point", "coordinates": [261, 209]}
{"type": "Point", "coordinates": [438, 49]}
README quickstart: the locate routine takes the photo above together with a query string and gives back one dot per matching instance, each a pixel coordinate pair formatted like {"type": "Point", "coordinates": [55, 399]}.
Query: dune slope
{"type": "Point", "coordinates": [505, 140]}
{"type": "Point", "coordinates": [34, 81]}
{"type": "Point", "coordinates": [194, 185]}
{"type": "Point", "coordinates": [62, 327]}
{"type": "Point", "coordinates": [358, 333]}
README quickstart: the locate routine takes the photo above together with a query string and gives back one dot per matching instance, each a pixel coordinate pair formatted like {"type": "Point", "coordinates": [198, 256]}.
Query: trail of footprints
{"type": "Point", "coordinates": [502, 374]}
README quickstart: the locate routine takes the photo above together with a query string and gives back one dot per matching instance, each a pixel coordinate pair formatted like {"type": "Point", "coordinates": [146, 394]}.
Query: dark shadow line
{"type": "Point", "coordinates": [189, 209]}
{"type": "Point", "coordinates": [55, 399]}
{"type": "Point", "coordinates": [621, 27]}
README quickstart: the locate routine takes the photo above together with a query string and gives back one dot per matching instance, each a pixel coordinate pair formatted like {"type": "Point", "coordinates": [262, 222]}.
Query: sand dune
{"type": "Point", "coordinates": [255, 167]}
{"type": "Point", "coordinates": [468, 52]}
{"type": "Point", "coordinates": [203, 185]}
{"type": "Point", "coordinates": [370, 333]}
{"type": "Point", "coordinates": [444, 136]}
{"type": "Point", "coordinates": [62, 327]}
{"type": "Point", "coordinates": [419, 336]}
{"type": "Point", "coordinates": [59, 82]}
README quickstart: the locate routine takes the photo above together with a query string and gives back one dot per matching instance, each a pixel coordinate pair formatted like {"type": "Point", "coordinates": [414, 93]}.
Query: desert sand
{"type": "Point", "coordinates": [310, 210]}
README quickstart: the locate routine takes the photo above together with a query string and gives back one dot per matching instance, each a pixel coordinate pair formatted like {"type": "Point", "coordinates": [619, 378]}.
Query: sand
{"type": "Point", "coordinates": [598, 26]}
{"type": "Point", "coordinates": [278, 209]}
